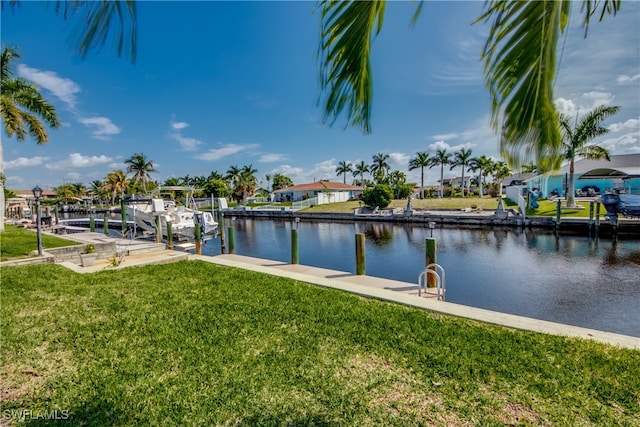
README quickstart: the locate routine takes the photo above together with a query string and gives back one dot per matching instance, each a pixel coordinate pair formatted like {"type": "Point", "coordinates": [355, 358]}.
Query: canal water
{"type": "Point", "coordinates": [582, 281]}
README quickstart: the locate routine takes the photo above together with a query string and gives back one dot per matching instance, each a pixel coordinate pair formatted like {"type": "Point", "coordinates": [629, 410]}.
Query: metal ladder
{"type": "Point", "coordinates": [440, 280]}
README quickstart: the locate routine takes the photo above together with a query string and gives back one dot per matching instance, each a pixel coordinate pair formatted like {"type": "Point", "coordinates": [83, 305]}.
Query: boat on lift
{"type": "Point", "coordinates": [184, 219]}
{"type": "Point", "coordinates": [625, 204]}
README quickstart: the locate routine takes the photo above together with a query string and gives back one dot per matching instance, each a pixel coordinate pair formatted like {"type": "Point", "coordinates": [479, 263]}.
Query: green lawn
{"type": "Point", "coordinates": [18, 242]}
{"type": "Point", "coordinates": [197, 344]}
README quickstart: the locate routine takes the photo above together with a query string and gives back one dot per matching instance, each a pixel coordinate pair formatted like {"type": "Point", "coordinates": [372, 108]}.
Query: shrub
{"type": "Point", "coordinates": [378, 196]}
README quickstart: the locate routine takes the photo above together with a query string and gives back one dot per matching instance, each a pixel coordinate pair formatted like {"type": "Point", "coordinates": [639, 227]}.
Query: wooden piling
{"type": "Point", "coordinates": [558, 213]}
{"type": "Point", "coordinates": [597, 218]}
{"type": "Point", "coordinates": [106, 224]}
{"type": "Point", "coordinates": [295, 258]}
{"type": "Point", "coordinates": [123, 216]}
{"type": "Point", "coordinates": [92, 223]}
{"type": "Point", "coordinates": [232, 241]}
{"type": "Point", "coordinates": [158, 230]}
{"type": "Point", "coordinates": [221, 230]}
{"type": "Point", "coordinates": [591, 212]}
{"type": "Point", "coordinates": [169, 235]}
{"type": "Point", "coordinates": [198, 236]}
{"type": "Point", "coordinates": [431, 258]}
{"type": "Point", "coordinates": [360, 255]}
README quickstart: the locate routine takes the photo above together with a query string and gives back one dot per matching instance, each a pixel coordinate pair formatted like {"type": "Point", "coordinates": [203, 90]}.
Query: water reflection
{"type": "Point", "coordinates": [582, 281]}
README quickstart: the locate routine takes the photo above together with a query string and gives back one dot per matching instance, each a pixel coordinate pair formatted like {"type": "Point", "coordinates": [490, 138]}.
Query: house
{"type": "Point", "coordinates": [323, 191]}
{"type": "Point", "coordinates": [620, 175]}
{"type": "Point", "coordinates": [28, 194]}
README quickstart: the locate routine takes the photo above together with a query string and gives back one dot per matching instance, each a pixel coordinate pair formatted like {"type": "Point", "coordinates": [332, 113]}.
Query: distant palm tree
{"type": "Point", "coordinates": [342, 169]}
{"type": "Point", "coordinates": [421, 160]}
{"type": "Point", "coordinates": [359, 170]}
{"type": "Point", "coordinates": [500, 171]}
{"type": "Point", "coordinates": [233, 175]}
{"type": "Point", "coordinates": [79, 189]}
{"type": "Point", "coordinates": [575, 141]}
{"type": "Point", "coordinates": [461, 158]}
{"type": "Point", "coordinates": [379, 167]}
{"type": "Point", "coordinates": [529, 168]}
{"type": "Point", "coordinates": [116, 182]}
{"type": "Point", "coordinates": [246, 183]}
{"type": "Point", "coordinates": [21, 108]}
{"type": "Point", "coordinates": [140, 167]}
{"type": "Point", "coordinates": [484, 166]}
{"type": "Point", "coordinates": [440, 159]}
{"type": "Point", "coordinates": [267, 178]}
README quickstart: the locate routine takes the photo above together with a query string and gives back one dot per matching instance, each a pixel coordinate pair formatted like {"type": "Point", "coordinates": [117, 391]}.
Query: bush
{"type": "Point", "coordinates": [378, 196]}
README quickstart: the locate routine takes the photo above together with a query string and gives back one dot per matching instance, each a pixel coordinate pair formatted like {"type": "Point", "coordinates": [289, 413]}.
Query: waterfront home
{"type": "Point", "coordinates": [322, 191]}
{"type": "Point", "coordinates": [592, 177]}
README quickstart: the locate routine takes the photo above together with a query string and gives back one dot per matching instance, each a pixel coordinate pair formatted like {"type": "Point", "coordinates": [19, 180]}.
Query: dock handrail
{"type": "Point", "coordinates": [440, 280]}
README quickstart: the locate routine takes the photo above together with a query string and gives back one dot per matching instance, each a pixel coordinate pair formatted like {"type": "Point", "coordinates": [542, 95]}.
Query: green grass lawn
{"type": "Point", "coordinates": [18, 242]}
{"type": "Point", "coordinates": [197, 344]}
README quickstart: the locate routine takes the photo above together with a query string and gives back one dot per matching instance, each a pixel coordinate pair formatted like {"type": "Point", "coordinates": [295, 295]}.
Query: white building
{"type": "Point", "coordinates": [323, 191]}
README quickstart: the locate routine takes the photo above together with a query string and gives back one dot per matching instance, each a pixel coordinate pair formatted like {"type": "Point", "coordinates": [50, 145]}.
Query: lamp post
{"type": "Point", "coordinates": [432, 225]}
{"type": "Point", "coordinates": [37, 194]}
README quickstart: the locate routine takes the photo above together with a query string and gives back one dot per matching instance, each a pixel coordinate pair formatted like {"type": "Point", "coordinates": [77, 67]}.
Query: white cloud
{"type": "Point", "coordinates": [77, 160]}
{"type": "Point", "coordinates": [25, 162]}
{"type": "Point", "coordinates": [179, 125]}
{"type": "Point", "coordinates": [400, 160]}
{"type": "Point", "coordinates": [631, 124]}
{"type": "Point", "coordinates": [226, 150]}
{"type": "Point", "coordinates": [104, 127]}
{"type": "Point", "coordinates": [62, 88]}
{"type": "Point", "coordinates": [187, 144]}
{"type": "Point", "coordinates": [14, 181]}
{"type": "Point", "coordinates": [623, 79]}
{"type": "Point", "coordinates": [272, 157]}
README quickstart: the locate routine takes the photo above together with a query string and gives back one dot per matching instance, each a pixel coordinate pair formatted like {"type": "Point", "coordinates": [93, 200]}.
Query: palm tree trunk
{"type": "Point", "coordinates": [441, 180]}
{"type": "Point", "coordinates": [1, 189]}
{"type": "Point", "coordinates": [480, 183]}
{"type": "Point", "coordinates": [571, 191]}
{"type": "Point", "coordinates": [422, 183]}
{"type": "Point", "coordinates": [462, 183]}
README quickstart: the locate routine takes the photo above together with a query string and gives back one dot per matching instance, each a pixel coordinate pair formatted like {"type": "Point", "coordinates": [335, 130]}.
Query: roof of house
{"type": "Point", "coordinates": [321, 186]}
{"type": "Point", "coordinates": [620, 166]}
{"type": "Point", "coordinates": [28, 194]}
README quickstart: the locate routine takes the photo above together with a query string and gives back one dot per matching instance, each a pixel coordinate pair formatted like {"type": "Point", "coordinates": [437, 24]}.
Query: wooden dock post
{"type": "Point", "coordinates": [597, 218]}
{"type": "Point", "coordinates": [92, 223]}
{"type": "Point", "coordinates": [106, 224]}
{"type": "Point", "coordinates": [295, 257]}
{"type": "Point", "coordinates": [591, 212]}
{"type": "Point", "coordinates": [123, 216]}
{"type": "Point", "coordinates": [360, 255]}
{"type": "Point", "coordinates": [198, 236]}
{"type": "Point", "coordinates": [232, 241]}
{"type": "Point", "coordinates": [221, 230]}
{"type": "Point", "coordinates": [431, 258]}
{"type": "Point", "coordinates": [169, 235]}
{"type": "Point", "coordinates": [558, 213]}
{"type": "Point", "coordinates": [158, 230]}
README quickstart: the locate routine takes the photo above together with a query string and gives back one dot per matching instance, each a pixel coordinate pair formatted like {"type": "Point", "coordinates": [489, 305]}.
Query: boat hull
{"type": "Point", "coordinates": [183, 220]}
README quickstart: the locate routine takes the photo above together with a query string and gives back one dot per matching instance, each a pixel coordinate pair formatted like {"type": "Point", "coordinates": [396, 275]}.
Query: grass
{"type": "Point", "coordinates": [197, 344]}
{"type": "Point", "coordinates": [548, 208]}
{"type": "Point", "coordinates": [17, 242]}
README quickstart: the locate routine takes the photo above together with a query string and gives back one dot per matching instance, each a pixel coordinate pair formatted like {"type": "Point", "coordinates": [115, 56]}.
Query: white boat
{"type": "Point", "coordinates": [184, 220]}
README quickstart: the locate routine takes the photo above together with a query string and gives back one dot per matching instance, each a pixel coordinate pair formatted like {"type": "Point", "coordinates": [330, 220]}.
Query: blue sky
{"type": "Point", "coordinates": [218, 84]}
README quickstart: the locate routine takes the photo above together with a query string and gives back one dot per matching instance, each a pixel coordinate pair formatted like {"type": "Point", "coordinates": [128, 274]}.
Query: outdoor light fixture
{"type": "Point", "coordinates": [297, 222]}
{"type": "Point", "coordinates": [37, 194]}
{"type": "Point", "coordinates": [432, 225]}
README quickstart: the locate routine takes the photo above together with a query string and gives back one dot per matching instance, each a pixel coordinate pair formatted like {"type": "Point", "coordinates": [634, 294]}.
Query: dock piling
{"type": "Point", "coordinates": [232, 241]}
{"type": "Point", "coordinates": [431, 258]}
{"type": "Point", "coordinates": [360, 255]}
{"type": "Point", "coordinates": [295, 256]}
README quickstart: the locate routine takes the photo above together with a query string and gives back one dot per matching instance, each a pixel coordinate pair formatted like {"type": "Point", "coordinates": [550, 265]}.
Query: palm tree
{"type": "Point", "coordinates": [529, 168]}
{"type": "Point", "coordinates": [379, 166]}
{"type": "Point", "coordinates": [342, 169]}
{"type": "Point", "coordinates": [421, 160]}
{"type": "Point", "coordinates": [461, 158]}
{"type": "Point", "coordinates": [359, 170]}
{"type": "Point", "coordinates": [140, 167]}
{"type": "Point", "coordinates": [440, 159]}
{"type": "Point", "coordinates": [484, 166]}
{"type": "Point", "coordinates": [116, 182]}
{"type": "Point", "coordinates": [233, 175]}
{"type": "Point", "coordinates": [520, 65]}
{"type": "Point", "coordinates": [22, 106]}
{"type": "Point", "coordinates": [245, 182]}
{"type": "Point", "coordinates": [267, 178]}
{"type": "Point", "coordinates": [575, 141]}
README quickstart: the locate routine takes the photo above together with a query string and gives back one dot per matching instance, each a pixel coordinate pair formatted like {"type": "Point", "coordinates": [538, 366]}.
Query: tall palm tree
{"type": "Point", "coordinates": [461, 158]}
{"type": "Point", "coordinates": [247, 183]}
{"type": "Point", "coordinates": [267, 178]}
{"type": "Point", "coordinates": [116, 182]}
{"type": "Point", "coordinates": [421, 160]}
{"type": "Point", "coordinates": [441, 158]}
{"type": "Point", "coordinates": [140, 167]}
{"type": "Point", "coordinates": [519, 56]}
{"type": "Point", "coordinates": [359, 170]}
{"type": "Point", "coordinates": [379, 167]}
{"type": "Point", "coordinates": [343, 168]}
{"type": "Point", "coordinates": [233, 175]}
{"type": "Point", "coordinates": [22, 108]}
{"type": "Point", "coordinates": [484, 166]}
{"type": "Point", "coordinates": [575, 141]}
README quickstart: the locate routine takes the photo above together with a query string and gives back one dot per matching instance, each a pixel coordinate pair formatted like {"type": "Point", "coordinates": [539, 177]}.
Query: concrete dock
{"type": "Point", "coordinates": [141, 252]}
